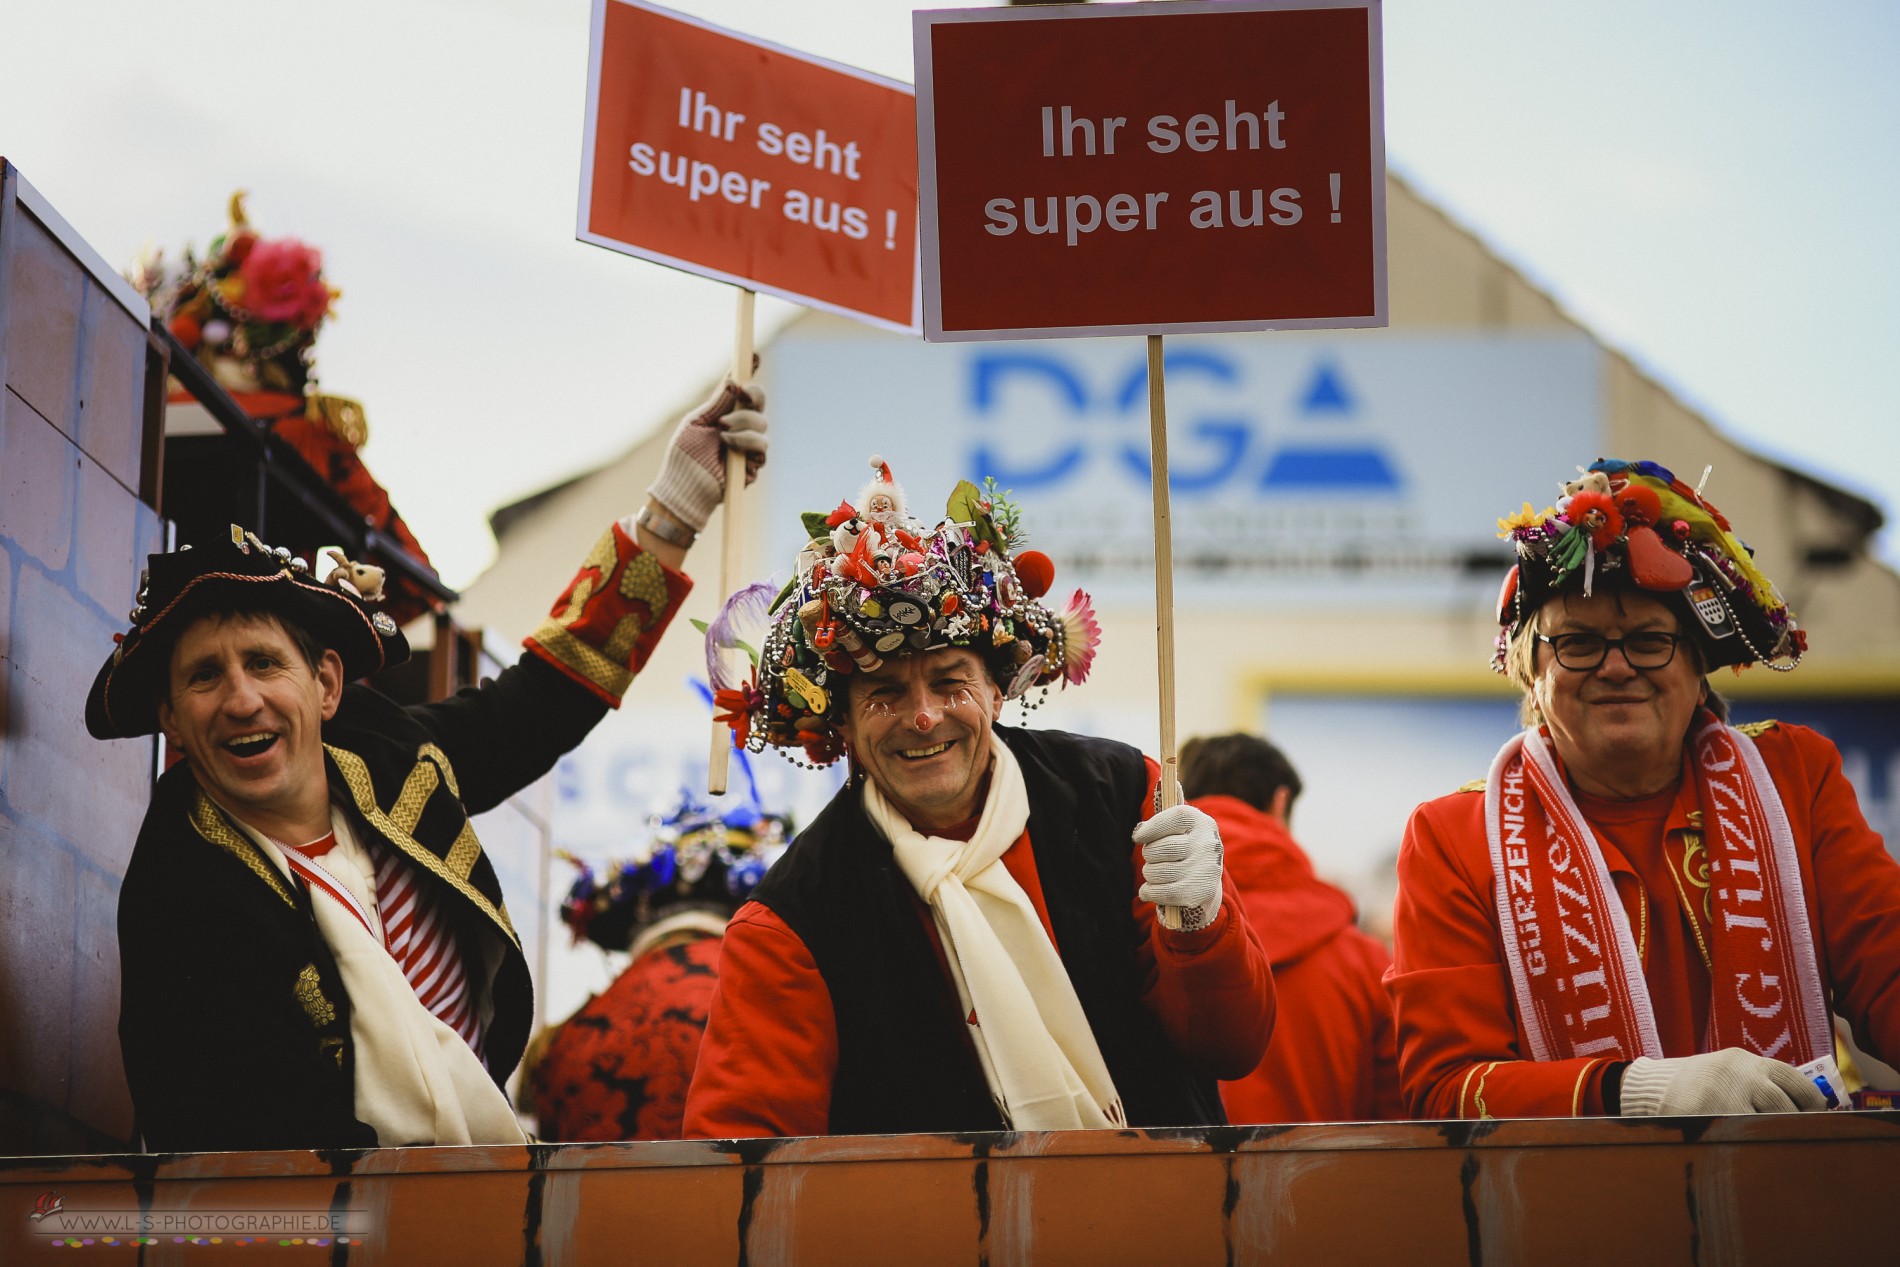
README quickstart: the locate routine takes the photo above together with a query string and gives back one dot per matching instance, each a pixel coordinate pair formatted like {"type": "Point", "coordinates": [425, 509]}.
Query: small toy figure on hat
{"type": "Point", "coordinates": [619, 1067]}
{"type": "Point", "coordinates": [1649, 911]}
{"type": "Point", "coordinates": [965, 938]}
{"type": "Point", "coordinates": [310, 863]}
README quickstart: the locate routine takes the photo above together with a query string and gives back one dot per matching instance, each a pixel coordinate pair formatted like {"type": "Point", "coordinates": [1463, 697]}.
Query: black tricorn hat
{"type": "Point", "coordinates": [223, 575]}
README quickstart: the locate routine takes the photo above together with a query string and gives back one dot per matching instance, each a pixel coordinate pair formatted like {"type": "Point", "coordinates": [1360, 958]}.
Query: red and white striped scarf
{"type": "Point", "coordinates": [413, 932]}
{"type": "Point", "coordinates": [1575, 971]}
{"type": "Point", "coordinates": [423, 944]}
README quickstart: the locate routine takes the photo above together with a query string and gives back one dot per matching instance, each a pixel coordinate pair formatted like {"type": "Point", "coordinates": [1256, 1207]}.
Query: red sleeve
{"type": "Point", "coordinates": [1388, 1101]}
{"type": "Point", "coordinates": [1212, 990]}
{"type": "Point", "coordinates": [771, 1048]}
{"type": "Point", "coordinates": [610, 617]}
{"type": "Point", "coordinates": [1451, 997]}
{"type": "Point", "coordinates": [1854, 888]}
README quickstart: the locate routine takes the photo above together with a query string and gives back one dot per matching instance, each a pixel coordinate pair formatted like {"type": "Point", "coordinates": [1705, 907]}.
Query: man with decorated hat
{"type": "Point", "coordinates": [314, 948]}
{"type": "Point", "coordinates": [618, 1068]}
{"type": "Point", "coordinates": [1642, 910]}
{"type": "Point", "coordinates": [966, 937]}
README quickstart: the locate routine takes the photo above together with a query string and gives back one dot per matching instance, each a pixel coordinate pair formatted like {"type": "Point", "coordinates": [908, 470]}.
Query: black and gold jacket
{"type": "Point", "coordinates": [233, 1022]}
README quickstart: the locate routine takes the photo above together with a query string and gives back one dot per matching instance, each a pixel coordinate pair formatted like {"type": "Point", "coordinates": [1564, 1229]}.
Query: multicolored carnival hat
{"type": "Point", "coordinates": [249, 310]}
{"type": "Point", "coordinates": [873, 582]}
{"type": "Point", "coordinates": [694, 856]}
{"type": "Point", "coordinates": [190, 582]}
{"type": "Point", "coordinates": [1634, 525]}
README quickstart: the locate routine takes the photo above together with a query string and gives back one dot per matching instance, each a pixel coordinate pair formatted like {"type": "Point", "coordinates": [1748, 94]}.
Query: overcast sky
{"type": "Point", "coordinates": [1709, 186]}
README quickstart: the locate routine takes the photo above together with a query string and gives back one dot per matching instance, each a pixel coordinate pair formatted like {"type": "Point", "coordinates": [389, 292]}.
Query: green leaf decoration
{"type": "Point", "coordinates": [815, 525]}
{"type": "Point", "coordinates": [966, 506]}
{"type": "Point", "coordinates": [783, 595]}
{"type": "Point", "coordinates": [700, 625]}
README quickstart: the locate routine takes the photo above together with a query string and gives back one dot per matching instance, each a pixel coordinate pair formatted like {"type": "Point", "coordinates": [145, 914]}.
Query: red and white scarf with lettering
{"type": "Point", "coordinates": [1575, 971]}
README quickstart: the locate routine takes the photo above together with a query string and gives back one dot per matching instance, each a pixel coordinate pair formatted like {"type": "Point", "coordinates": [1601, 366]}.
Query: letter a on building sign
{"type": "Point", "coordinates": [1152, 168]}
{"type": "Point", "coordinates": [752, 164]}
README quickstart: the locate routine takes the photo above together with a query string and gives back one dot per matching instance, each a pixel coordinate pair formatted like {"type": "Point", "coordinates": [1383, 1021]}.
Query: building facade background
{"type": "Point", "coordinates": [1336, 563]}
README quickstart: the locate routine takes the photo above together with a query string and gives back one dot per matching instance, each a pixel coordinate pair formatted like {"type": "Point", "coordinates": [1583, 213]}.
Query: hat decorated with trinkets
{"type": "Point", "coordinates": [230, 574]}
{"type": "Point", "coordinates": [1634, 525]}
{"type": "Point", "coordinates": [873, 583]}
{"type": "Point", "coordinates": [694, 856]}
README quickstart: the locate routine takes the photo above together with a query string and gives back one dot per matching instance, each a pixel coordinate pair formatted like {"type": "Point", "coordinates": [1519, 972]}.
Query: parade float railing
{"type": "Point", "coordinates": [1742, 1190]}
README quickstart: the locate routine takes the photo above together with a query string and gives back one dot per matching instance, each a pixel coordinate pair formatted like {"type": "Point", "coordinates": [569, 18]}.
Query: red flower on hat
{"type": "Point", "coordinates": [1596, 514]}
{"type": "Point", "coordinates": [822, 747]}
{"type": "Point", "coordinates": [283, 281]}
{"type": "Point", "coordinates": [739, 704]}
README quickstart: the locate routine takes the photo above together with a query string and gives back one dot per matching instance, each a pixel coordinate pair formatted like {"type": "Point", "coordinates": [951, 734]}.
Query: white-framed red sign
{"type": "Point", "coordinates": [749, 163]}
{"type": "Point", "coordinates": [1151, 168]}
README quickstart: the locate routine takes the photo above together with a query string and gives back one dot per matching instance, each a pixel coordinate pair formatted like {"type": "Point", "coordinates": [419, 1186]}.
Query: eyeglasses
{"type": "Point", "coordinates": [1582, 652]}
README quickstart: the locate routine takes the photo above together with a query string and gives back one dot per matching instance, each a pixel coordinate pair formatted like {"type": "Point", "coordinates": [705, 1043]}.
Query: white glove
{"type": "Point", "coordinates": [1181, 864]}
{"type": "Point", "coordinates": [693, 475]}
{"type": "Point", "coordinates": [1726, 1081]}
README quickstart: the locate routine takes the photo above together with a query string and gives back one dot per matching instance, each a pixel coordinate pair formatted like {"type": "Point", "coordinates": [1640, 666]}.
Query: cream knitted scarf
{"type": "Point", "coordinates": [1031, 1035]}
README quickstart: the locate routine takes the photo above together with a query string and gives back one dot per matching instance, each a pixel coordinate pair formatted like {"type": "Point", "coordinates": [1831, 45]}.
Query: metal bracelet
{"type": "Point", "coordinates": [667, 528]}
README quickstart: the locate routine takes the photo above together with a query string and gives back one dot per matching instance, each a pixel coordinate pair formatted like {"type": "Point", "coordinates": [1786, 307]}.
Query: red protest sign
{"type": "Point", "coordinates": [1151, 168]}
{"type": "Point", "coordinates": [749, 163]}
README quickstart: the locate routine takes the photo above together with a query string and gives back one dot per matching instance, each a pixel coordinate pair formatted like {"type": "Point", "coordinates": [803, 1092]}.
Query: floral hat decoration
{"type": "Point", "coordinates": [1626, 524]}
{"type": "Point", "coordinates": [694, 856]}
{"type": "Point", "coordinates": [872, 582]}
{"type": "Point", "coordinates": [250, 310]}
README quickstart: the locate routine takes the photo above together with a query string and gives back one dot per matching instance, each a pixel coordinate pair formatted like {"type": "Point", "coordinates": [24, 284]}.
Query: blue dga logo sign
{"type": "Point", "coordinates": [1320, 462]}
{"type": "Point", "coordinates": [1299, 464]}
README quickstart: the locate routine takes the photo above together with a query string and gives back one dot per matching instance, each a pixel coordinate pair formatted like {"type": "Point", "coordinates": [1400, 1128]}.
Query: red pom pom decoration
{"type": "Point", "coordinates": [1036, 570]}
{"type": "Point", "coordinates": [1640, 505]}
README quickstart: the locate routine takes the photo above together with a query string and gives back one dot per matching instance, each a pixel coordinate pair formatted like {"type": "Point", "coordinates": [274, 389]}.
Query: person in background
{"type": "Point", "coordinates": [1642, 910]}
{"type": "Point", "coordinates": [619, 1067]}
{"type": "Point", "coordinates": [966, 937]}
{"type": "Point", "coordinates": [314, 950]}
{"type": "Point", "coordinates": [1333, 1058]}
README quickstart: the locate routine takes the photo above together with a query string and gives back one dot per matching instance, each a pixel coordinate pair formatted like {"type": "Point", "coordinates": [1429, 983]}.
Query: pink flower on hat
{"type": "Point", "coordinates": [283, 281]}
{"type": "Point", "coordinates": [1081, 634]}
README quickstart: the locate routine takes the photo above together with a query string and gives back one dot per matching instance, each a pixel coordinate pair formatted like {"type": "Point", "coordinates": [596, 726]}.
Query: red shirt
{"type": "Point", "coordinates": [619, 1067]}
{"type": "Point", "coordinates": [1459, 1042]}
{"type": "Point", "coordinates": [771, 1047]}
{"type": "Point", "coordinates": [1333, 1057]}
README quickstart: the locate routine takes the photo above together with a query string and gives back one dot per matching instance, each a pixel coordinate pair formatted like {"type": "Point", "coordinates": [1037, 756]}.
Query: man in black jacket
{"type": "Point", "coordinates": [967, 938]}
{"type": "Point", "coordinates": [315, 951]}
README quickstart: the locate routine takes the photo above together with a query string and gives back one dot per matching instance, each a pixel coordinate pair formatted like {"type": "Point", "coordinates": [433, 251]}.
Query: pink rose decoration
{"type": "Point", "coordinates": [283, 281]}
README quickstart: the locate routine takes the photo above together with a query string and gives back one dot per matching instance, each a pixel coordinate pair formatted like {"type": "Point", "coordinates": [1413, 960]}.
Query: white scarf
{"type": "Point", "coordinates": [1032, 1038]}
{"type": "Point", "coordinates": [417, 1081]}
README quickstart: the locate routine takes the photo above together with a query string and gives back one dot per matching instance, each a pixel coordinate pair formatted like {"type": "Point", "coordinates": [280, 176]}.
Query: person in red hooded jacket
{"type": "Point", "coordinates": [1333, 1056]}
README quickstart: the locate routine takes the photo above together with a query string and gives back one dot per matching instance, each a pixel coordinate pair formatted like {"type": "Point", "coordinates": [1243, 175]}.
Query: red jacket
{"type": "Point", "coordinates": [771, 1046]}
{"type": "Point", "coordinates": [619, 1067]}
{"type": "Point", "coordinates": [1333, 1058]}
{"type": "Point", "coordinates": [1459, 1042]}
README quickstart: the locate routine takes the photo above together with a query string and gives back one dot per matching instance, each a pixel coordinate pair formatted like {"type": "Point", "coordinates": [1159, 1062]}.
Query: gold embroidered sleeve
{"type": "Point", "coordinates": [607, 622]}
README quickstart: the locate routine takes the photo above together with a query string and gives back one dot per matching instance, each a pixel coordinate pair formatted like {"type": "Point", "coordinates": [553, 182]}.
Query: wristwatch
{"type": "Point", "coordinates": [665, 527]}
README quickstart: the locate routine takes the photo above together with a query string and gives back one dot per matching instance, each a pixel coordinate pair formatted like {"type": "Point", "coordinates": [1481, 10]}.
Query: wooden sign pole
{"type": "Point", "coordinates": [1164, 589]}
{"type": "Point", "coordinates": [730, 530]}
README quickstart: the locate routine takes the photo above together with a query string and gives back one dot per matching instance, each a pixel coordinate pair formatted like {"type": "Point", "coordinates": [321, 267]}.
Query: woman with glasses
{"type": "Point", "coordinates": [1642, 909]}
